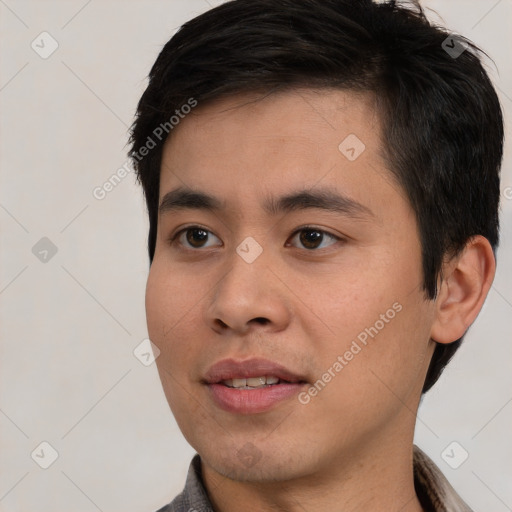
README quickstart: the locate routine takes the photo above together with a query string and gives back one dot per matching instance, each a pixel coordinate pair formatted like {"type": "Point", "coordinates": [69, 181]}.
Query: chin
{"type": "Point", "coordinates": [257, 462]}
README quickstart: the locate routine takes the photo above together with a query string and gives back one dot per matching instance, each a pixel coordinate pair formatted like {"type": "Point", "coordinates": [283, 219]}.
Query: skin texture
{"type": "Point", "coordinates": [350, 446]}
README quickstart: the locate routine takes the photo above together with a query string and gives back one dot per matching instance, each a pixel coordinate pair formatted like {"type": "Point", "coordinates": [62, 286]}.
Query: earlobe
{"type": "Point", "coordinates": [466, 280]}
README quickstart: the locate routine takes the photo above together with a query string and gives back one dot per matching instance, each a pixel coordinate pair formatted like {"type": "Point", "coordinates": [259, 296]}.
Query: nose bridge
{"type": "Point", "coordinates": [248, 292]}
{"type": "Point", "coordinates": [243, 282]}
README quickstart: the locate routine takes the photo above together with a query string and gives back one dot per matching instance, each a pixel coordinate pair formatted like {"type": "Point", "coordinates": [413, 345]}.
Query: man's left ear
{"type": "Point", "coordinates": [465, 282]}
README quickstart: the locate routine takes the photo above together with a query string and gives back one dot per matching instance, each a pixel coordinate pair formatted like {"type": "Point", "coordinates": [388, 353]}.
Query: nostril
{"type": "Point", "coordinates": [261, 320]}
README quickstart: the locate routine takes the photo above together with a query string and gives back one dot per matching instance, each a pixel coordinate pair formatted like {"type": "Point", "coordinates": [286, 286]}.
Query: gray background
{"type": "Point", "coordinates": [70, 323]}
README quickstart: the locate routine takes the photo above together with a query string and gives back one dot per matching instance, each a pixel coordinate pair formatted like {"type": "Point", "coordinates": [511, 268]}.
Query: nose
{"type": "Point", "coordinates": [249, 296]}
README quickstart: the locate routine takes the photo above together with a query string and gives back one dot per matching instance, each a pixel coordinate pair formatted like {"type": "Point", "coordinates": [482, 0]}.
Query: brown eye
{"type": "Point", "coordinates": [312, 238]}
{"type": "Point", "coordinates": [196, 237]}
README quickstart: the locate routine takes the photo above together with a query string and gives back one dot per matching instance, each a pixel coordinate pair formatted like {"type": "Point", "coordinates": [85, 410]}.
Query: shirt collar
{"type": "Point", "coordinates": [433, 489]}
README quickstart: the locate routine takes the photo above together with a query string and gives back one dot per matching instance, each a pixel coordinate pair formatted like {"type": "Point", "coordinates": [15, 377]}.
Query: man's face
{"type": "Point", "coordinates": [329, 294]}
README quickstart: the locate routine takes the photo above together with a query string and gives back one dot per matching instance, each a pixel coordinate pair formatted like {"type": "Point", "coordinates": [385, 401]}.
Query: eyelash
{"type": "Point", "coordinates": [173, 238]}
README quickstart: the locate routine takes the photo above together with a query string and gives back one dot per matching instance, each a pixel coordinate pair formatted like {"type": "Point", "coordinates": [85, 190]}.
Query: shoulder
{"type": "Point", "coordinates": [193, 498]}
{"type": "Point", "coordinates": [432, 487]}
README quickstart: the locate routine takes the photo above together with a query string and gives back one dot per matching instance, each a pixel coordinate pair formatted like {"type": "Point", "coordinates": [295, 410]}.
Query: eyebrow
{"type": "Point", "coordinates": [184, 198]}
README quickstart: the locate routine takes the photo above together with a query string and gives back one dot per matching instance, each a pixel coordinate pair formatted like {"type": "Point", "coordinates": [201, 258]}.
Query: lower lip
{"type": "Point", "coordinates": [251, 401]}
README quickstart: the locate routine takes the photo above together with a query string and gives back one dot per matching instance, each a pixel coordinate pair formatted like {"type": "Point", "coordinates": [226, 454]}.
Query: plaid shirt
{"type": "Point", "coordinates": [433, 489]}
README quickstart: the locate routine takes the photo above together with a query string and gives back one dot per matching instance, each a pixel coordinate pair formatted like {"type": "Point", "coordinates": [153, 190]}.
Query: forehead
{"type": "Point", "coordinates": [315, 116]}
{"type": "Point", "coordinates": [271, 143]}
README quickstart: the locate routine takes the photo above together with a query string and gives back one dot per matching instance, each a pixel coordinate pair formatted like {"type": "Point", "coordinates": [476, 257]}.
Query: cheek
{"type": "Point", "coordinates": [170, 320]}
{"type": "Point", "coordinates": [170, 295]}
{"type": "Point", "coordinates": [350, 298]}
{"type": "Point", "coordinates": [380, 320]}
{"type": "Point", "coordinates": [378, 379]}
{"type": "Point", "coordinates": [159, 304]}
{"type": "Point", "coordinates": [170, 311]}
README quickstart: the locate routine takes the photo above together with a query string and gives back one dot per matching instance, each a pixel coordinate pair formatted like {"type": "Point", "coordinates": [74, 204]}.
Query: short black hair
{"type": "Point", "coordinates": [441, 118]}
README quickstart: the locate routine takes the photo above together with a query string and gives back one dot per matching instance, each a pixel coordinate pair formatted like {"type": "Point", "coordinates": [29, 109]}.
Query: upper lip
{"type": "Point", "coordinates": [255, 367]}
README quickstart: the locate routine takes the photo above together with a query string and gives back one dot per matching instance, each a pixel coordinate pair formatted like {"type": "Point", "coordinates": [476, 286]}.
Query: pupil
{"type": "Point", "coordinates": [196, 236]}
{"type": "Point", "coordinates": [310, 237]}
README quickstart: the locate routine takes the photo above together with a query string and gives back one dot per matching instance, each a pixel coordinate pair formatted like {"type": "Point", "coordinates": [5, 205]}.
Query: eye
{"type": "Point", "coordinates": [314, 238]}
{"type": "Point", "coordinates": [195, 237]}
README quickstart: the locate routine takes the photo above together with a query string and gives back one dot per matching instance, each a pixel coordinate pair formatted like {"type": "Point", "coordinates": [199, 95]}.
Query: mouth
{"type": "Point", "coordinates": [253, 382]}
{"type": "Point", "coordinates": [251, 386]}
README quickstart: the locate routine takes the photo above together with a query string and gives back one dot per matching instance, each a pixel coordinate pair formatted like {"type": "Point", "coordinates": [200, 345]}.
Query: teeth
{"type": "Point", "coordinates": [254, 382]}
{"type": "Point", "coordinates": [251, 382]}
